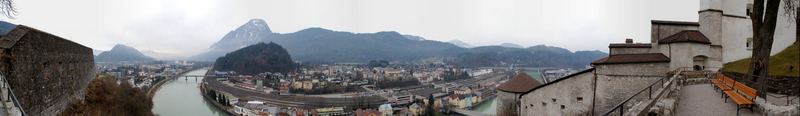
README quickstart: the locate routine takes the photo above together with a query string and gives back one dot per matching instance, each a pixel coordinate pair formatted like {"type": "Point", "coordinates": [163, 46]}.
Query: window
{"type": "Point", "coordinates": [563, 107]}
{"type": "Point", "coordinates": [749, 9]}
{"type": "Point", "coordinates": [749, 43]}
{"type": "Point", "coordinates": [580, 99]}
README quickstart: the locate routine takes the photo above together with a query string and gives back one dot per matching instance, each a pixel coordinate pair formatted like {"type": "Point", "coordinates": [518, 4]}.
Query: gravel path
{"type": "Point", "coordinates": [703, 100]}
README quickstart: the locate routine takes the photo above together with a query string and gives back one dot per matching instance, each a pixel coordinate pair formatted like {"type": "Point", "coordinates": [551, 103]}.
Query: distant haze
{"type": "Point", "coordinates": [188, 27]}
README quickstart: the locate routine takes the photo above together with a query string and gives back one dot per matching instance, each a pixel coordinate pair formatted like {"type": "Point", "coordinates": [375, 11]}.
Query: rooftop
{"type": "Point", "coordinates": [630, 45]}
{"type": "Point", "coordinates": [521, 83]}
{"type": "Point", "coordinates": [690, 36]}
{"type": "Point", "coordinates": [662, 22]}
{"type": "Point", "coordinates": [632, 58]}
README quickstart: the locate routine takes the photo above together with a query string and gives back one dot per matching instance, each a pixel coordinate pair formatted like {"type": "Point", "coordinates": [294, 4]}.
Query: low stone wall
{"type": "Point", "coordinates": [665, 101]}
{"type": "Point", "coordinates": [769, 109]}
{"type": "Point", "coordinates": [775, 84]}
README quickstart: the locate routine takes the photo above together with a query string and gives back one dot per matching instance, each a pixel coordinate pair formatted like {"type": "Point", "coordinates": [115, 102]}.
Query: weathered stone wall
{"type": "Point", "coordinates": [614, 51]}
{"type": "Point", "coordinates": [682, 54]}
{"type": "Point", "coordinates": [661, 31]}
{"type": "Point", "coordinates": [648, 69]}
{"type": "Point", "coordinates": [46, 72]}
{"type": "Point", "coordinates": [711, 27]}
{"type": "Point", "coordinates": [569, 97]}
{"type": "Point", "coordinates": [507, 103]}
{"type": "Point", "coordinates": [715, 61]}
{"type": "Point", "coordinates": [616, 82]}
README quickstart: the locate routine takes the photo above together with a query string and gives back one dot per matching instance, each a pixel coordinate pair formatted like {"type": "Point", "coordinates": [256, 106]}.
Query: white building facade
{"type": "Point", "coordinates": [727, 23]}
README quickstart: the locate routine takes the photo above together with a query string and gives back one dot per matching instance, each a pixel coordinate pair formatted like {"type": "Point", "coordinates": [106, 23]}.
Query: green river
{"type": "Point", "coordinates": [181, 97]}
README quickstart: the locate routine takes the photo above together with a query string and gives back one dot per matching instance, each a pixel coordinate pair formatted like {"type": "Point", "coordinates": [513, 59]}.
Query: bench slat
{"type": "Point", "coordinates": [720, 85]}
{"type": "Point", "coordinates": [750, 92]}
{"type": "Point", "coordinates": [738, 98]}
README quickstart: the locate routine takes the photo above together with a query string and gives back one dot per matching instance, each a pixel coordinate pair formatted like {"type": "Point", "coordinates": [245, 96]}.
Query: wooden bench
{"type": "Point", "coordinates": [722, 83]}
{"type": "Point", "coordinates": [742, 95]}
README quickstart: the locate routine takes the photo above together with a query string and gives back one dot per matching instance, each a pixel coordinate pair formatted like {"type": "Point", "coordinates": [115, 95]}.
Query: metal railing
{"type": "Point", "coordinates": [11, 95]}
{"type": "Point", "coordinates": [790, 92]}
{"type": "Point", "coordinates": [620, 108]}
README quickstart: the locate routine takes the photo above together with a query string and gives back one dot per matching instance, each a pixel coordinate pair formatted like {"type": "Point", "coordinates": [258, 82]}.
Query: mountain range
{"type": "Point", "coordinates": [534, 56]}
{"type": "Point", "coordinates": [323, 45]}
{"type": "Point", "coordinates": [318, 45]}
{"type": "Point", "coordinates": [121, 53]}
{"type": "Point", "coordinates": [459, 43]}
{"type": "Point", "coordinates": [511, 45]}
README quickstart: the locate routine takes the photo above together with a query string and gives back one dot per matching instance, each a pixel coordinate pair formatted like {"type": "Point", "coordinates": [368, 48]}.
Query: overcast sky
{"type": "Point", "coordinates": [188, 27]}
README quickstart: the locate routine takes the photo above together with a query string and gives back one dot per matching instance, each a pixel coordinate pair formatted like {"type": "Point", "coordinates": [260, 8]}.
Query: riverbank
{"type": "Point", "coordinates": [203, 92]}
{"type": "Point", "coordinates": [218, 106]}
{"type": "Point", "coordinates": [151, 91]}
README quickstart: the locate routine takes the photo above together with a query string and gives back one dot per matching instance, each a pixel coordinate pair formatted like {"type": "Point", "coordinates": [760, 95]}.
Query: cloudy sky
{"type": "Point", "coordinates": [188, 27]}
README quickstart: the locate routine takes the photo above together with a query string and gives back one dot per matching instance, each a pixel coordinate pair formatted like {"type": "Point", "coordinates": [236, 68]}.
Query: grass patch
{"type": "Point", "coordinates": [779, 64]}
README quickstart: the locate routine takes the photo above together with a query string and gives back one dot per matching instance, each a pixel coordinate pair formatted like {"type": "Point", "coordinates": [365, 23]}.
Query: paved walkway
{"type": "Point", "coordinates": [703, 100]}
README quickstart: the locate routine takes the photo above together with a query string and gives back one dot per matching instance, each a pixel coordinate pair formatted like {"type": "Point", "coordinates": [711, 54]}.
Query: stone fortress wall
{"type": "Point", "coordinates": [46, 72]}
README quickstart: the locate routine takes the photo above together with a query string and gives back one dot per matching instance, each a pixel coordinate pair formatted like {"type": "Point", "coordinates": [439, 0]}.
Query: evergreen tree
{"type": "Point", "coordinates": [430, 104]}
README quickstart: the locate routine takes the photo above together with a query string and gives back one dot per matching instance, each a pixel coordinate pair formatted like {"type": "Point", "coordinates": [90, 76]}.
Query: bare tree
{"type": "Point", "coordinates": [764, 18]}
{"type": "Point", "coordinates": [7, 8]}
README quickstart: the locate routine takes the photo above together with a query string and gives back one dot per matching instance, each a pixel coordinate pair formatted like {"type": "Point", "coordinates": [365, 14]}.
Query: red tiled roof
{"type": "Point", "coordinates": [692, 36]}
{"type": "Point", "coordinates": [522, 82]}
{"type": "Point", "coordinates": [633, 45]}
{"type": "Point", "coordinates": [633, 58]}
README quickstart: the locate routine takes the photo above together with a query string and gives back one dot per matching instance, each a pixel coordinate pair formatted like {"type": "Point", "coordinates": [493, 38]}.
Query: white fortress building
{"type": "Point", "coordinates": [722, 34]}
{"type": "Point", "coordinates": [727, 23]}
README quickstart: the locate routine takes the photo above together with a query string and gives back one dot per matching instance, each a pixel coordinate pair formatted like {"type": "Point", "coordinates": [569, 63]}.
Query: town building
{"type": "Point", "coordinates": [368, 112]}
{"type": "Point", "coordinates": [386, 109]}
{"type": "Point", "coordinates": [402, 98]}
{"type": "Point", "coordinates": [331, 111]}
